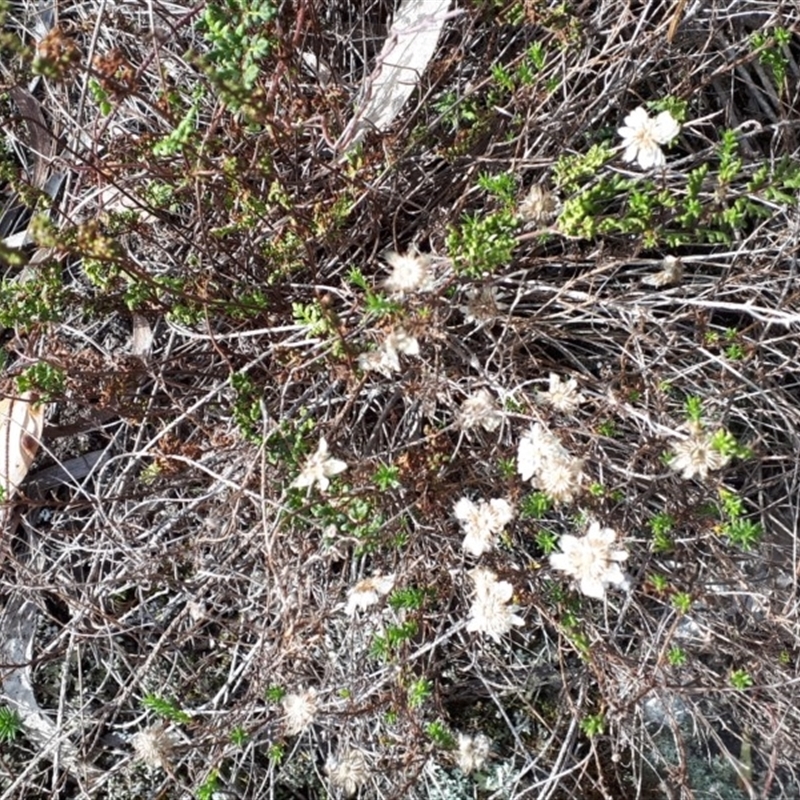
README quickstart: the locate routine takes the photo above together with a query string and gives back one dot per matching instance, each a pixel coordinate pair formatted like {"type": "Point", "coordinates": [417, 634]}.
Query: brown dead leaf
{"type": "Point", "coordinates": [21, 423]}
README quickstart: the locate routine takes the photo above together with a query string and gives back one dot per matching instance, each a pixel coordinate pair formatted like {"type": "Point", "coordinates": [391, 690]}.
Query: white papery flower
{"type": "Point", "coordinates": [491, 611]}
{"type": "Point", "coordinates": [482, 521]}
{"type": "Point", "coordinates": [561, 478]}
{"type": "Point", "coordinates": [472, 751]}
{"type": "Point", "coordinates": [481, 409]}
{"type": "Point", "coordinates": [482, 305]}
{"type": "Point", "coordinates": [562, 394]}
{"type": "Point", "coordinates": [591, 560]}
{"type": "Point", "coordinates": [696, 455]}
{"type": "Point", "coordinates": [367, 592]}
{"type": "Point", "coordinates": [319, 468]}
{"type": "Point", "coordinates": [536, 448]}
{"type": "Point", "coordinates": [642, 136]}
{"type": "Point", "coordinates": [299, 710]}
{"type": "Point", "coordinates": [154, 747]}
{"type": "Point", "coordinates": [348, 772]}
{"type": "Point", "coordinates": [386, 359]}
{"type": "Point", "coordinates": [410, 273]}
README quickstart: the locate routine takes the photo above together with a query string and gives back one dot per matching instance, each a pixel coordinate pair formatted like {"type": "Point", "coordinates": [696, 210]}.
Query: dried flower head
{"type": "Point", "coordinates": [642, 134]}
{"type": "Point", "coordinates": [472, 751]}
{"type": "Point", "coordinates": [670, 274]}
{"type": "Point", "coordinates": [481, 409]}
{"type": "Point", "coordinates": [562, 479]}
{"type": "Point", "coordinates": [348, 772]}
{"type": "Point", "coordinates": [696, 455]}
{"type": "Point", "coordinates": [386, 359]}
{"type": "Point", "coordinates": [154, 746]}
{"type": "Point", "coordinates": [491, 611]}
{"type": "Point", "coordinates": [319, 468]}
{"type": "Point", "coordinates": [539, 205]}
{"type": "Point", "coordinates": [410, 273]}
{"type": "Point", "coordinates": [299, 709]}
{"type": "Point", "coordinates": [482, 306]}
{"type": "Point", "coordinates": [562, 394]}
{"type": "Point", "coordinates": [591, 560]}
{"type": "Point", "coordinates": [482, 521]}
{"type": "Point", "coordinates": [368, 591]}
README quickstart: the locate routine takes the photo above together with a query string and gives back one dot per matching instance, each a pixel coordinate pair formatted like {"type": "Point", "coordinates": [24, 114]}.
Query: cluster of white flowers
{"type": "Point", "coordinates": [410, 273]}
{"type": "Point", "coordinates": [319, 468]}
{"type": "Point", "coordinates": [154, 747]}
{"type": "Point", "coordinates": [482, 521]}
{"type": "Point", "coordinates": [299, 709]}
{"type": "Point", "coordinates": [542, 459]}
{"type": "Point", "coordinates": [591, 560]}
{"type": "Point", "coordinates": [562, 394]}
{"type": "Point", "coordinates": [386, 359]}
{"type": "Point", "coordinates": [348, 771]}
{"type": "Point", "coordinates": [367, 592]}
{"type": "Point", "coordinates": [481, 409]}
{"type": "Point", "coordinates": [482, 306]}
{"type": "Point", "coordinates": [491, 611]}
{"type": "Point", "coordinates": [696, 455]}
{"type": "Point", "coordinates": [472, 752]}
{"type": "Point", "coordinates": [642, 136]}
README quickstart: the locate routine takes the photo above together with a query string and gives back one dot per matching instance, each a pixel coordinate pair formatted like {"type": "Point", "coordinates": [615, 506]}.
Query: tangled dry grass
{"type": "Point", "coordinates": [209, 275]}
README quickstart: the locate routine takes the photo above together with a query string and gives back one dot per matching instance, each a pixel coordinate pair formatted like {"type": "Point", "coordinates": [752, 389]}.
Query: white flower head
{"type": "Point", "coordinates": [562, 478]}
{"type": "Point", "coordinates": [491, 611]}
{"type": "Point", "coordinates": [299, 709]}
{"type": "Point", "coordinates": [539, 205]}
{"type": "Point", "coordinates": [696, 455]}
{"type": "Point", "coordinates": [319, 468]}
{"type": "Point", "coordinates": [367, 592]}
{"type": "Point", "coordinates": [348, 771]}
{"type": "Point", "coordinates": [472, 751]}
{"type": "Point", "coordinates": [562, 394]}
{"type": "Point", "coordinates": [670, 274]}
{"type": "Point", "coordinates": [591, 560]}
{"type": "Point", "coordinates": [481, 409]}
{"type": "Point", "coordinates": [386, 359]}
{"type": "Point", "coordinates": [537, 448]}
{"type": "Point", "coordinates": [482, 521]}
{"type": "Point", "coordinates": [153, 746]}
{"type": "Point", "coordinates": [482, 305]}
{"type": "Point", "coordinates": [642, 136]}
{"type": "Point", "coordinates": [410, 273]}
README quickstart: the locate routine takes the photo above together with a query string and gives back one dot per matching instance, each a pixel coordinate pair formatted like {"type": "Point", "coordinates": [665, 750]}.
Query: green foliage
{"type": "Point", "coordinates": [503, 186]}
{"type": "Point", "coordinates": [384, 646]}
{"type": "Point", "coordinates": [183, 133]}
{"type": "Point", "coordinates": [386, 477]}
{"type": "Point", "coordinates": [741, 679]}
{"type": "Point", "coordinates": [682, 602]}
{"type": "Point", "coordinates": [247, 411]}
{"type": "Point", "coordinates": [771, 45]}
{"type": "Point", "coordinates": [740, 532]}
{"type": "Point", "coordinates": [312, 317]}
{"type": "Point", "coordinates": [10, 724]}
{"type": "Point", "coordinates": [409, 598]}
{"type": "Point", "coordinates": [677, 657]}
{"type": "Point", "coordinates": [572, 171]}
{"type": "Point", "coordinates": [208, 789]}
{"type": "Point", "coordinates": [440, 735]}
{"type": "Point", "coordinates": [238, 36]}
{"type": "Point", "coordinates": [659, 582]}
{"type": "Point", "coordinates": [546, 540]}
{"type": "Point", "coordinates": [457, 111]}
{"type": "Point", "coordinates": [275, 693]}
{"type": "Point", "coordinates": [507, 467]}
{"type": "Point", "coordinates": [39, 299]}
{"type": "Point", "coordinates": [693, 408]}
{"type": "Point", "coordinates": [593, 724]}
{"type": "Point", "coordinates": [510, 78]}
{"type": "Point", "coordinates": [661, 526]}
{"type": "Point", "coordinates": [239, 736]}
{"type": "Point", "coordinates": [419, 691]}
{"type": "Point", "coordinates": [165, 708]}
{"type": "Point", "coordinates": [535, 505]}
{"type": "Point", "coordinates": [482, 243]}
{"type": "Point", "coordinates": [276, 752]}
{"type": "Point", "coordinates": [46, 379]}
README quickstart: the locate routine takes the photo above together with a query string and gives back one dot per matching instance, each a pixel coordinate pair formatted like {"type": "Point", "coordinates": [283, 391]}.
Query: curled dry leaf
{"type": "Point", "coordinates": [21, 423]}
